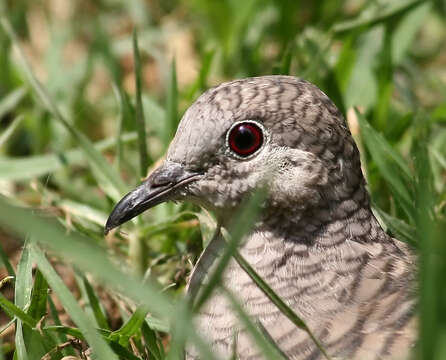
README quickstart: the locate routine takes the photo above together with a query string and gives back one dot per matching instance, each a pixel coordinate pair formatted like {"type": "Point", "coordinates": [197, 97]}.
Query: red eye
{"type": "Point", "coordinates": [245, 138]}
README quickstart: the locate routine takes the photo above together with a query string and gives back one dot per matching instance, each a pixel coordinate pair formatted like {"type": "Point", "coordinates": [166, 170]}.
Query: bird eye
{"type": "Point", "coordinates": [245, 138]}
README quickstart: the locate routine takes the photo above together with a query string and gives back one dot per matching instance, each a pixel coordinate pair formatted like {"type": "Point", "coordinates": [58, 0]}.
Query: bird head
{"type": "Point", "coordinates": [275, 129]}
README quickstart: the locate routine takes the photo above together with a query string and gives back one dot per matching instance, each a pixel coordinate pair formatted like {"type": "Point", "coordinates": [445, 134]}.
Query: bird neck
{"type": "Point", "coordinates": [331, 222]}
{"type": "Point", "coordinates": [285, 237]}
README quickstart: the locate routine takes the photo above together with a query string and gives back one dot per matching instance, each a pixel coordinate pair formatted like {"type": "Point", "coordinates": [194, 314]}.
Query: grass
{"type": "Point", "coordinates": [90, 96]}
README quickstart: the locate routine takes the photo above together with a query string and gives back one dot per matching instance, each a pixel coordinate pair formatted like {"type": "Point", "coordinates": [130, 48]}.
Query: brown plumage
{"type": "Point", "coordinates": [317, 243]}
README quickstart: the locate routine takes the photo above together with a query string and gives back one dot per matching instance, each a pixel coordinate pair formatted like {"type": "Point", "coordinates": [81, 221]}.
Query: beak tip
{"type": "Point", "coordinates": [112, 222]}
{"type": "Point", "coordinates": [108, 226]}
{"type": "Point", "coordinates": [120, 214]}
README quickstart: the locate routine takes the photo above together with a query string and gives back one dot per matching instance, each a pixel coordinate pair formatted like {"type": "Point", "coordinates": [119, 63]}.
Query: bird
{"type": "Point", "coordinates": [316, 243]}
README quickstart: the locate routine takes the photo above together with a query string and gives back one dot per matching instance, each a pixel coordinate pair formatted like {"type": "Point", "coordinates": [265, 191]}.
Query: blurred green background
{"type": "Point", "coordinates": [74, 144]}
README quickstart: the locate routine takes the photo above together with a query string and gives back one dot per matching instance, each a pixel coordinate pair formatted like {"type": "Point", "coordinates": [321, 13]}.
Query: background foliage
{"type": "Point", "coordinates": [96, 120]}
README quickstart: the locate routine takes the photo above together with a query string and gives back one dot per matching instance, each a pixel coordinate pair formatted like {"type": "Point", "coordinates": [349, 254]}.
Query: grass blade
{"type": "Point", "coordinates": [120, 128]}
{"type": "Point", "coordinates": [123, 352]}
{"type": "Point", "coordinates": [24, 280]}
{"type": "Point", "coordinates": [242, 224]}
{"type": "Point", "coordinates": [172, 105]}
{"type": "Point", "coordinates": [201, 81]}
{"type": "Point", "coordinates": [284, 308]}
{"type": "Point", "coordinates": [83, 211]}
{"type": "Point", "coordinates": [387, 160]}
{"type": "Point", "coordinates": [430, 234]}
{"type": "Point", "coordinates": [14, 310]}
{"type": "Point", "coordinates": [368, 18]}
{"type": "Point", "coordinates": [22, 297]}
{"type": "Point", "coordinates": [5, 261]}
{"type": "Point", "coordinates": [59, 336]}
{"type": "Point", "coordinates": [6, 135]}
{"type": "Point", "coordinates": [132, 325]}
{"type": "Point", "coordinates": [438, 157]}
{"type": "Point", "coordinates": [269, 349]}
{"type": "Point", "coordinates": [398, 227]}
{"type": "Point", "coordinates": [181, 332]}
{"type": "Point", "coordinates": [95, 305]}
{"type": "Point", "coordinates": [72, 331]}
{"type": "Point", "coordinates": [113, 182]}
{"type": "Point", "coordinates": [98, 345]}
{"type": "Point", "coordinates": [150, 341]}
{"type": "Point", "coordinates": [33, 166]}
{"type": "Point", "coordinates": [91, 258]}
{"type": "Point", "coordinates": [140, 122]}
{"type": "Point", "coordinates": [39, 297]}
{"type": "Point", "coordinates": [284, 66]}
{"type": "Point", "coordinates": [11, 100]}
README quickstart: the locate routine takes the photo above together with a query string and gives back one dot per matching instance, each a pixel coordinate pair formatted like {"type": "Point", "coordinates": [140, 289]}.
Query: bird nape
{"type": "Point", "coordinates": [317, 243]}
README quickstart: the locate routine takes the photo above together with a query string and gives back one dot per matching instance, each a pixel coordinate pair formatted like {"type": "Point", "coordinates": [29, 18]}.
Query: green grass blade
{"type": "Point", "coordinates": [140, 122]}
{"type": "Point", "coordinates": [132, 325]}
{"type": "Point", "coordinates": [205, 69]}
{"type": "Point", "coordinates": [24, 280]}
{"type": "Point", "coordinates": [368, 18]}
{"type": "Point", "coordinates": [22, 298]}
{"type": "Point", "coordinates": [6, 135]}
{"type": "Point", "coordinates": [268, 348]}
{"type": "Point", "coordinates": [33, 166]}
{"type": "Point", "coordinates": [430, 233]}
{"type": "Point", "coordinates": [10, 101]}
{"type": "Point", "coordinates": [158, 324]}
{"type": "Point", "coordinates": [95, 305]}
{"type": "Point", "coordinates": [387, 160]}
{"type": "Point", "coordinates": [113, 182]}
{"type": "Point", "coordinates": [171, 105]}
{"type": "Point", "coordinates": [284, 308]}
{"type": "Point", "coordinates": [440, 158]}
{"type": "Point", "coordinates": [407, 29]}
{"type": "Point", "coordinates": [72, 331]}
{"type": "Point", "coordinates": [5, 261]}
{"type": "Point", "coordinates": [39, 297]}
{"type": "Point", "coordinates": [398, 227]}
{"type": "Point", "coordinates": [59, 336]}
{"type": "Point", "coordinates": [98, 345]}
{"type": "Point", "coordinates": [83, 252]}
{"type": "Point", "coordinates": [242, 224]}
{"type": "Point", "coordinates": [178, 342]}
{"type": "Point", "coordinates": [91, 258]}
{"type": "Point", "coordinates": [201, 81]}
{"type": "Point", "coordinates": [21, 352]}
{"type": "Point", "coordinates": [373, 139]}
{"type": "Point", "coordinates": [14, 310]}
{"type": "Point", "coordinates": [101, 46]}
{"type": "Point", "coordinates": [181, 331]}
{"type": "Point", "coordinates": [120, 99]}
{"type": "Point", "coordinates": [284, 67]}
{"type": "Point", "coordinates": [123, 352]}
{"type": "Point", "coordinates": [79, 334]}
{"type": "Point", "coordinates": [151, 342]}
{"type": "Point", "coordinates": [83, 211]}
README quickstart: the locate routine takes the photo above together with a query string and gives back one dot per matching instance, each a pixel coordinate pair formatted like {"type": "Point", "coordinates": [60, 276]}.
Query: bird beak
{"type": "Point", "coordinates": [162, 185]}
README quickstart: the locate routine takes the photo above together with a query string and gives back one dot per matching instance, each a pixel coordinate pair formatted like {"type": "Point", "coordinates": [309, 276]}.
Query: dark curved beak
{"type": "Point", "coordinates": [161, 186]}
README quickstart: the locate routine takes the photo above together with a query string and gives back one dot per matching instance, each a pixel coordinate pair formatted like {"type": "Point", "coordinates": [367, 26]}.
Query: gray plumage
{"type": "Point", "coordinates": [317, 243]}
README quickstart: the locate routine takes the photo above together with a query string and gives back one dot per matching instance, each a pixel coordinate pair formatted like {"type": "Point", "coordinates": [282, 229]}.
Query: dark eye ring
{"type": "Point", "coordinates": [245, 138]}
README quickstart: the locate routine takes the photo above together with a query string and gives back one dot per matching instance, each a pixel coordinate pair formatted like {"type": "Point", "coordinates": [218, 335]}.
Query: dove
{"type": "Point", "coordinates": [316, 243]}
